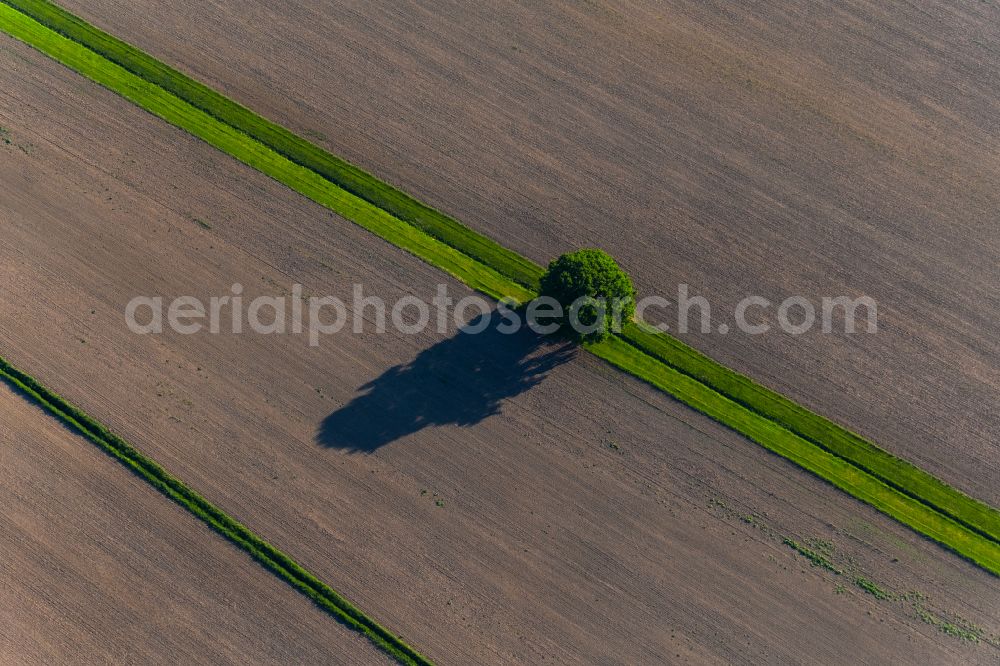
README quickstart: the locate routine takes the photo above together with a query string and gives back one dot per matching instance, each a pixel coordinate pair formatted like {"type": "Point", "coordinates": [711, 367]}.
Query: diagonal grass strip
{"type": "Point", "coordinates": [803, 453]}
{"type": "Point", "coordinates": [270, 557]}
{"type": "Point", "coordinates": [291, 146]}
{"type": "Point", "coordinates": [479, 262]}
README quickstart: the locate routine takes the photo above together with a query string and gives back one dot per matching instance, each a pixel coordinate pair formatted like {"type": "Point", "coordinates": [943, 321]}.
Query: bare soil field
{"type": "Point", "coordinates": [98, 568]}
{"type": "Point", "coordinates": [514, 505]}
{"type": "Point", "coordinates": [777, 150]}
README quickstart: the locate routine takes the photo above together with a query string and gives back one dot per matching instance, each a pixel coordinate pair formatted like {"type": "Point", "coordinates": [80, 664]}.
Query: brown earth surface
{"type": "Point", "coordinates": [776, 149]}
{"type": "Point", "coordinates": [96, 567]}
{"type": "Point", "coordinates": [582, 517]}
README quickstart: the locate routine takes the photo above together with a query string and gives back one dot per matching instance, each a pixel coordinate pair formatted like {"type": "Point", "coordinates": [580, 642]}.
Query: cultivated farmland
{"type": "Point", "coordinates": [800, 150]}
{"type": "Point", "coordinates": [457, 250]}
{"type": "Point", "coordinates": [654, 518]}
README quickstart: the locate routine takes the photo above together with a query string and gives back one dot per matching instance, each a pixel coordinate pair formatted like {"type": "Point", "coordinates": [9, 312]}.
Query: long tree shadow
{"type": "Point", "coordinates": [460, 381]}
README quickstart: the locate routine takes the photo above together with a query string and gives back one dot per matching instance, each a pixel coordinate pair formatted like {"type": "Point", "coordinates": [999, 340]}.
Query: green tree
{"type": "Point", "coordinates": [596, 295]}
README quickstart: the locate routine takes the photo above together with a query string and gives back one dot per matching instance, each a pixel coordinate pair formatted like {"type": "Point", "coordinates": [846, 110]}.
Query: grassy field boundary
{"type": "Point", "coordinates": [286, 143]}
{"type": "Point", "coordinates": [650, 353]}
{"type": "Point", "coordinates": [898, 473]}
{"type": "Point", "coordinates": [283, 566]}
{"type": "Point", "coordinates": [820, 462]}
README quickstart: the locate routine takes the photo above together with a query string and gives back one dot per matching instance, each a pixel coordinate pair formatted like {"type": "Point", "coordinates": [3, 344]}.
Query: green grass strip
{"type": "Point", "coordinates": [900, 474]}
{"type": "Point", "coordinates": [270, 557]}
{"type": "Point", "coordinates": [320, 176]}
{"type": "Point", "coordinates": [802, 452]}
{"type": "Point", "coordinates": [871, 588]}
{"type": "Point", "coordinates": [291, 146]}
{"type": "Point", "coordinates": [235, 143]}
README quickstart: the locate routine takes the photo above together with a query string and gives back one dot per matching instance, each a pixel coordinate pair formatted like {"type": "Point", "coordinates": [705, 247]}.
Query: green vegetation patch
{"type": "Point", "coordinates": [267, 555]}
{"type": "Point", "coordinates": [871, 588]}
{"type": "Point", "coordinates": [961, 629]}
{"type": "Point", "coordinates": [595, 293]}
{"type": "Point", "coordinates": [817, 559]}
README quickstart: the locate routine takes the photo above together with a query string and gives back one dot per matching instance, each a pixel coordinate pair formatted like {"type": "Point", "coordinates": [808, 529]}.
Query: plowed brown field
{"type": "Point", "coordinates": [582, 518]}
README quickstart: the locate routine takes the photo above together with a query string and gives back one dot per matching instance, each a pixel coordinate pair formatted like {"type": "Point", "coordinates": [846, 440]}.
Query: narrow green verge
{"type": "Point", "coordinates": [842, 474]}
{"type": "Point", "coordinates": [289, 145]}
{"type": "Point", "coordinates": [898, 473]}
{"type": "Point", "coordinates": [270, 557]}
